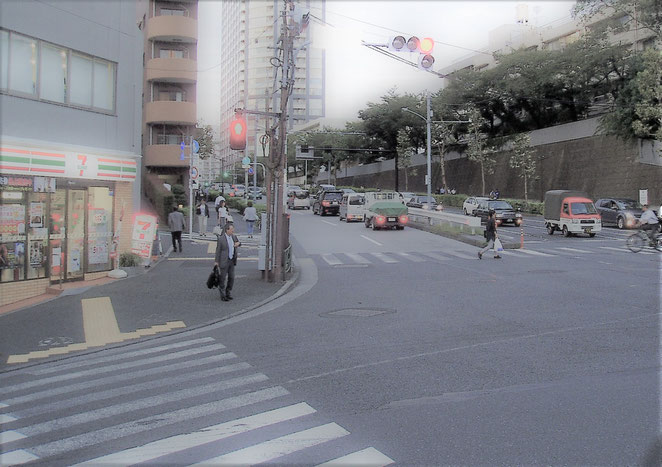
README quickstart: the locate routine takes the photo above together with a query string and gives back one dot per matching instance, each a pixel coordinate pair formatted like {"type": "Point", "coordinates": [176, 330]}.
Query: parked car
{"type": "Point", "coordinates": [423, 202]}
{"type": "Point", "coordinates": [406, 196]}
{"type": "Point", "coordinates": [470, 204]}
{"type": "Point", "coordinates": [250, 191]}
{"type": "Point", "coordinates": [298, 199]}
{"type": "Point", "coordinates": [622, 212]}
{"type": "Point", "coordinates": [505, 214]}
{"type": "Point", "coordinates": [571, 212]}
{"type": "Point", "coordinates": [327, 202]}
{"type": "Point", "coordinates": [352, 207]}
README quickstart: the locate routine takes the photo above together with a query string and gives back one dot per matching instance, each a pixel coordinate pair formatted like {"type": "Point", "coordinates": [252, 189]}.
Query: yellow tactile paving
{"type": "Point", "coordinates": [100, 328]}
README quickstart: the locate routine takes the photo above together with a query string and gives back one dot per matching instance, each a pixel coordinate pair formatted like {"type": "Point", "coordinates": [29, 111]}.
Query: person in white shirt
{"type": "Point", "coordinates": [250, 216]}
{"type": "Point", "coordinates": [203, 215]}
{"type": "Point", "coordinates": [649, 222]}
{"type": "Point", "coordinates": [217, 201]}
{"type": "Point", "coordinates": [222, 214]}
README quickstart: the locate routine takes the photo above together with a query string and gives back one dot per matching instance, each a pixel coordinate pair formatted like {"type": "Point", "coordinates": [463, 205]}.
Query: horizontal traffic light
{"type": "Point", "coordinates": [413, 44]}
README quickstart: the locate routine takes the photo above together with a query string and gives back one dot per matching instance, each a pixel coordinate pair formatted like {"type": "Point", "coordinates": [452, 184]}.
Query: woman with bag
{"type": "Point", "coordinates": [491, 236]}
{"type": "Point", "coordinates": [250, 216]}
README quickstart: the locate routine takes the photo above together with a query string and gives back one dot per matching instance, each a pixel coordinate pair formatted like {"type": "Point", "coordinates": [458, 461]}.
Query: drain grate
{"type": "Point", "coordinates": [359, 312]}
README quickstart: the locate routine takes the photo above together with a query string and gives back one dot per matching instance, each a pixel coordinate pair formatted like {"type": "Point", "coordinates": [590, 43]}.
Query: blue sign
{"type": "Point", "coordinates": [250, 171]}
{"type": "Point", "coordinates": [182, 146]}
{"type": "Point", "coordinates": [246, 160]}
{"type": "Point", "coordinates": [196, 146]}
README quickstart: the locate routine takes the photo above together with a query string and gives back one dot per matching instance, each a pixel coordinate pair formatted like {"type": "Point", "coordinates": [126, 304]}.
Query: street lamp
{"type": "Point", "coordinates": [428, 177]}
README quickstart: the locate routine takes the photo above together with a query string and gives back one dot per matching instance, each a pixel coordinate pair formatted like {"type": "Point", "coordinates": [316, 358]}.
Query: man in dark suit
{"type": "Point", "coordinates": [226, 259]}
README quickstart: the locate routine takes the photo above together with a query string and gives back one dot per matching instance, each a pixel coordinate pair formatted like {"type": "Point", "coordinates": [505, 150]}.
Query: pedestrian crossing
{"type": "Point", "coordinates": [165, 402]}
{"type": "Point", "coordinates": [367, 258]}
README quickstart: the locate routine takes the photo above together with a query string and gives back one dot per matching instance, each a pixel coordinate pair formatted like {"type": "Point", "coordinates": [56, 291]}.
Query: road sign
{"type": "Point", "coordinates": [182, 146]}
{"type": "Point", "coordinates": [250, 171]}
{"type": "Point", "coordinates": [195, 146]}
{"type": "Point", "coordinates": [246, 161]}
{"type": "Point", "coordinates": [245, 166]}
{"type": "Point", "coordinates": [194, 173]}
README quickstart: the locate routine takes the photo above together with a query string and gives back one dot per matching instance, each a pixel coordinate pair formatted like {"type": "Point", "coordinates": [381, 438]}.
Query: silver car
{"type": "Point", "coordinates": [470, 204]}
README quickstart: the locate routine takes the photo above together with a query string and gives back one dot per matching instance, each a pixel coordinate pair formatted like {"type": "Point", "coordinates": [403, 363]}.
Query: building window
{"type": "Point", "coordinates": [65, 76]}
{"type": "Point", "coordinates": [4, 58]}
{"type": "Point", "coordinates": [81, 80]}
{"type": "Point", "coordinates": [171, 53]}
{"type": "Point", "coordinates": [23, 65]}
{"type": "Point", "coordinates": [172, 12]}
{"type": "Point", "coordinates": [53, 73]}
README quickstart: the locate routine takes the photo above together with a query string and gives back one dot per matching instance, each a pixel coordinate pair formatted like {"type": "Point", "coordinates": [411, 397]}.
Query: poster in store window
{"type": "Point", "coordinates": [36, 215]}
{"type": "Point", "coordinates": [12, 219]}
{"type": "Point", "coordinates": [36, 254]}
{"type": "Point", "coordinates": [97, 251]}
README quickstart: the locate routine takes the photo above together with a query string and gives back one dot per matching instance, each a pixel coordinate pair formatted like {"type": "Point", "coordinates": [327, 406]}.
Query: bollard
{"type": "Point", "coordinates": [521, 235]}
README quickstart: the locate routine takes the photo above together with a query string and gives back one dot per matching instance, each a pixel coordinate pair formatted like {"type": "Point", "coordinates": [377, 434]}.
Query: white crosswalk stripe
{"type": "Point", "coordinates": [534, 253]}
{"type": "Point", "coordinates": [101, 404]}
{"type": "Point", "coordinates": [331, 259]}
{"type": "Point", "coordinates": [574, 250]}
{"type": "Point", "coordinates": [384, 258]}
{"type": "Point", "coordinates": [357, 258]}
{"type": "Point", "coordinates": [410, 257]}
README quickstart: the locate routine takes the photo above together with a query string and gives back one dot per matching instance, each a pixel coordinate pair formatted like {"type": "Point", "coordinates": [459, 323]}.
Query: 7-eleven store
{"type": "Point", "coordinates": [59, 209]}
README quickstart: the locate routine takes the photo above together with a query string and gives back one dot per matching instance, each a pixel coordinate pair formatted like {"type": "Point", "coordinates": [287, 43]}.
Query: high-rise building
{"type": "Point", "coordinates": [169, 89]}
{"type": "Point", "coordinates": [250, 31]}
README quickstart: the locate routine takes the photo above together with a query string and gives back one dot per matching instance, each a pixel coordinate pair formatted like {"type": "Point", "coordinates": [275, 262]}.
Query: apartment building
{"type": "Point", "coordinates": [70, 75]}
{"type": "Point", "coordinates": [168, 89]}
{"type": "Point", "coordinates": [250, 30]}
{"type": "Point", "coordinates": [552, 36]}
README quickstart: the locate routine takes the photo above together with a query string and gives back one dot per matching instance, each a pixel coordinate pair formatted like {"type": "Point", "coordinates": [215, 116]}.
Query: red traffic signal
{"type": "Point", "coordinates": [426, 46]}
{"type": "Point", "coordinates": [238, 133]}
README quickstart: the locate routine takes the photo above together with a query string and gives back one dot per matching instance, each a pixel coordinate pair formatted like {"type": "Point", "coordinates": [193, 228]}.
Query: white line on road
{"type": "Point", "coordinates": [437, 256]}
{"type": "Point", "coordinates": [331, 260]}
{"type": "Point", "coordinates": [156, 421]}
{"type": "Point", "coordinates": [620, 250]}
{"type": "Point", "coordinates": [371, 240]}
{"type": "Point", "coordinates": [369, 456]}
{"type": "Point", "coordinates": [413, 258]}
{"type": "Point", "coordinates": [9, 436]}
{"type": "Point", "coordinates": [330, 223]}
{"type": "Point", "coordinates": [358, 258]}
{"type": "Point", "coordinates": [534, 253]}
{"type": "Point", "coordinates": [383, 257]}
{"type": "Point", "coordinates": [573, 250]}
{"type": "Point", "coordinates": [177, 443]}
{"type": "Point", "coordinates": [16, 457]}
{"type": "Point", "coordinates": [4, 418]}
{"type": "Point", "coordinates": [275, 448]}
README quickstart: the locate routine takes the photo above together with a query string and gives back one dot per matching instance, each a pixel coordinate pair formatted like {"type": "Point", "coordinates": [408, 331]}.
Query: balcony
{"type": "Point", "coordinates": [171, 70]}
{"type": "Point", "coordinates": [170, 112]}
{"type": "Point", "coordinates": [180, 29]}
{"type": "Point", "coordinates": [164, 155]}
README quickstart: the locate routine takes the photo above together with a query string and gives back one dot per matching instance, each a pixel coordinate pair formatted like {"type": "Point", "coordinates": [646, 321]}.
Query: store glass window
{"type": "Point", "coordinates": [37, 252]}
{"type": "Point", "coordinates": [53, 73]}
{"type": "Point", "coordinates": [75, 252]}
{"type": "Point", "coordinates": [57, 230]}
{"type": "Point", "coordinates": [23, 64]}
{"type": "Point", "coordinates": [99, 228]}
{"type": "Point", "coordinates": [81, 80]}
{"type": "Point", "coordinates": [12, 241]}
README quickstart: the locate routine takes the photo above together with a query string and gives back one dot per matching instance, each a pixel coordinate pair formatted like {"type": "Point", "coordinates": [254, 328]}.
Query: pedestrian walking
{"type": "Point", "coordinates": [203, 216]}
{"type": "Point", "coordinates": [250, 216]}
{"type": "Point", "coordinates": [222, 214]}
{"type": "Point", "coordinates": [176, 224]}
{"type": "Point", "coordinates": [225, 259]}
{"type": "Point", "coordinates": [490, 235]}
{"type": "Point", "coordinates": [217, 201]}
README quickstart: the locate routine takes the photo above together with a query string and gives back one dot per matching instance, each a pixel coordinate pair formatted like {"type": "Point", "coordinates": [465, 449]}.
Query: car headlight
{"type": "Point", "coordinates": [518, 214]}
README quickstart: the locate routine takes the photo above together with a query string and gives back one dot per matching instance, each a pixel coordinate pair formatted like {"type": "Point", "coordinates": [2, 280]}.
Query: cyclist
{"type": "Point", "coordinates": [648, 222]}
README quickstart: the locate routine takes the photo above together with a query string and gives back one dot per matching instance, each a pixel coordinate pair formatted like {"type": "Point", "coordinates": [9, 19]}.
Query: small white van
{"type": "Point", "coordinates": [352, 207]}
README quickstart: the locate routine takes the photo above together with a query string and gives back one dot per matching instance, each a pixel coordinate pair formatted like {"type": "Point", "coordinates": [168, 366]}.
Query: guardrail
{"type": "Point", "coordinates": [469, 223]}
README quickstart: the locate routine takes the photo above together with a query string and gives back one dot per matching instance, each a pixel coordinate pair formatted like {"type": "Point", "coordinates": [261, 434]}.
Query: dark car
{"type": "Point", "coordinates": [422, 202]}
{"type": "Point", "coordinates": [621, 212]}
{"type": "Point", "coordinates": [505, 214]}
{"type": "Point", "coordinates": [327, 202]}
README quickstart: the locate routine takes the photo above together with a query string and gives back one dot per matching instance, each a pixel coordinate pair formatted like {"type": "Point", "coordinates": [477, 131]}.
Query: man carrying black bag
{"type": "Point", "coordinates": [212, 280]}
{"type": "Point", "coordinates": [226, 259]}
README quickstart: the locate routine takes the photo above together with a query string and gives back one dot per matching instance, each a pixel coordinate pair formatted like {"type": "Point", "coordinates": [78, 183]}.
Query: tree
{"type": "Point", "coordinates": [640, 14]}
{"type": "Point", "coordinates": [443, 136]}
{"type": "Point", "coordinates": [405, 153]}
{"type": "Point", "coordinates": [204, 135]}
{"type": "Point", "coordinates": [522, 159]}
{"type": "Point", "coordinates": [478, 149]}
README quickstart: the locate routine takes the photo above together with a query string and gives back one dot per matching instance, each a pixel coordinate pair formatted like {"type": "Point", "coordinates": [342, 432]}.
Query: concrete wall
{"type": "Point", "coordinates": [569, 157]}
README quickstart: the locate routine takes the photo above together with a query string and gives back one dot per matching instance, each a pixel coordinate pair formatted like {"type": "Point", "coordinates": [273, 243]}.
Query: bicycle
{"type": "Point", "coordinates": [639, 240]}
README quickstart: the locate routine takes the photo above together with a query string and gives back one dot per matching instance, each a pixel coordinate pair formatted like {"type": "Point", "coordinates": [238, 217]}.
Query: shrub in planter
{"type": "Point", "coordinates": [128, 260]}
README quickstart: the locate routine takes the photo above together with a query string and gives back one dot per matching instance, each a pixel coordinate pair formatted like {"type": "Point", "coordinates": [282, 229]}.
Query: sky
{"type": "Point", "coordinates": [357, 75]}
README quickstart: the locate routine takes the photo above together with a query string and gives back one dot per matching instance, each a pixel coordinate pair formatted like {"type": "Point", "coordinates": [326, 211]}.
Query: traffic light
{"type": "Point", "coordinates": [413, 44]}
{"type": "Point", "coordinates": [425, 62]}
{"type": "Point", "coordinates": [238, 132]}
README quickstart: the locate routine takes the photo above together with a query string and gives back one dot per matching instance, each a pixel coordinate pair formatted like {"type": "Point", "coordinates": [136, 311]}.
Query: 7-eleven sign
{"type": "Point", "coordinates": [142, 238]}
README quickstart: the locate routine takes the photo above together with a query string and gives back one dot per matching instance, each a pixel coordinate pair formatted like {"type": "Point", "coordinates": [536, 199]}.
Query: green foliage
{"type": "Point", "coordinates": [128, 260]}
{"type": "Point", "coordinates": [645, 14]}
{"type": "Point", "coordinates": [522, 159]}
{"type": "Point", "coordinates": [204, 135]}
{"type": "Point", "coordinates": [180, 195]}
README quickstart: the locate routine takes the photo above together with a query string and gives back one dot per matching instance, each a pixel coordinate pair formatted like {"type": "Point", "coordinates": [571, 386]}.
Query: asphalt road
{"type": "Point", "coordinates": [395, 346]}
